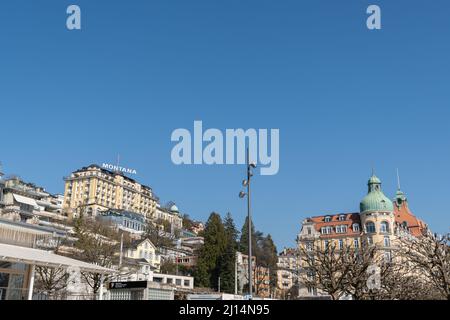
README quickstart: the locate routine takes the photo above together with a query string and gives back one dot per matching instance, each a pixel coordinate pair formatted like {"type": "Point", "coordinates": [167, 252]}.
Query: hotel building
{"type": "Point", "coordinates": [94, 189]}
{"type": "Point", "coordinates": [379, 221]}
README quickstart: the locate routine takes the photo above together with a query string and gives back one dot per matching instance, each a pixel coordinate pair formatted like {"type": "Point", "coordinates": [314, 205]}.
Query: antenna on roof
{"type": "Point", "coordinates": [398, 180]}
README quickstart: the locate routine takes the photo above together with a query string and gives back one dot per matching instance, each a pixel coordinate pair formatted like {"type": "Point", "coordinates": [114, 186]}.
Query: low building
{"type": "Point", "coordinates": [173, 253]}
{"type": "Point", "coordinates": [142, 253]}
{"type": "Point", "coordinates": [178, 282]}
{"type": "Point", "coordinates": [215, 296]}
{"type": "Point", "coordinates": [171, 214]}
{"type": "Point", "coordinates": [130, 222]}
{"type": "Point", "coordinates": [187, 261]}
{"type": "Point", "coordinates": [197, 227]}
{"type": "Point", "coordinates": [26, 202]}
{"type": "Point", "coordinates": [20, 254]}
{"type": "Point", "coordinates": [140, 290]}
{"type": "Point", "coordinates": [192, 242]}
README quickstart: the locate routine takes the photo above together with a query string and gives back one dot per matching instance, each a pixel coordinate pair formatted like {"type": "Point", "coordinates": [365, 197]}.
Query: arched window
{"type": "Point", "coordinates": [370, 227]}
{"type": "Point", "coordinates": [384, 227]}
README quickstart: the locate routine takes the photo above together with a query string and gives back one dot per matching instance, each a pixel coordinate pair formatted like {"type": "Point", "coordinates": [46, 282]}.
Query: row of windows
{"type": "Point", "coordinates": [133, 225]}
{"type": "Point", "coordinates": [356, 243]}
{"type": "Point", "coordinates": [341, 217]}
{"type": "Point", "coordinates": [339, 229]}
{"type": "Point", "coordinates": [369, 228]}
{"type": "Point", "coordinates": [384, 227]}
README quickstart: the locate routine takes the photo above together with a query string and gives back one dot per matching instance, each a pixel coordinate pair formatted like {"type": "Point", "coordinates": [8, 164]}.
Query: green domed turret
{"type": "Point", "coordinates": [375, 200]}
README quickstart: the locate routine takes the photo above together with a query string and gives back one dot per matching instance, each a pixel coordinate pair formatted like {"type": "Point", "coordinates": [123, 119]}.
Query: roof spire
{"type": "Point", "coordinates": [398, 180]}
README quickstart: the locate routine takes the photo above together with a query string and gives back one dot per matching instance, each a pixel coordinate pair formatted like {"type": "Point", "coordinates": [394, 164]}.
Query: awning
{"type": "Point", "coordinates": [25, 200]}
{"type": "Point", "coordinates": [44, 258]}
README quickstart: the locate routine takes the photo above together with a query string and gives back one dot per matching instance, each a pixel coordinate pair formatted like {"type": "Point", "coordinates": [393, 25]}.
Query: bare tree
{"type": "Point", "coordinates": [51, 280]}
{"type": "Point", "coordinates": [428, 257]}
{"type": "Point", "coordinates": [326, 270]}
{"type": "Point", "coordinates": [357, 263]}
{"type": "Point", "coordinates": [97, 244]}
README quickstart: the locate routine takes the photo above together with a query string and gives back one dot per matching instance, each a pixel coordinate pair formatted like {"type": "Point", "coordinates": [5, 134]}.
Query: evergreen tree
{"type": "Point", "coordinates": [268, 253]}
{"type": "Point", "coordinates": [268, 258]}
{"type": "Point", "coordinates": [228, 258]}
{"type": "Point", "coordinates": [207, 271]}
{"type": "Point", "coordinates": [243, 242]}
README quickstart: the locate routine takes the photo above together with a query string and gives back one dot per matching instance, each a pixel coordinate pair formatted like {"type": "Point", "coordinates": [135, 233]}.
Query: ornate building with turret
{"type": "Point", "coordinates": [379, 221]}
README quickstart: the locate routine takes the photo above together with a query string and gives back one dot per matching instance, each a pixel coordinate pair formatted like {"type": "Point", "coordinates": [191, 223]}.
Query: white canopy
{"type": "Point", "coordinates": [44, 258]}
{"type": "Point", "coordinates": [25, 200]}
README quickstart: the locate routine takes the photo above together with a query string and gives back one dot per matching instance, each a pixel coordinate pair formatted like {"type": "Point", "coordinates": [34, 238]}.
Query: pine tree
{"type": "Point", "coordinates": [207, 271]}
{"type": "Point", "coordinates": [268, 258]}
{"type": "Point", "coordinates": [228, 258]}
{"type": "Point", "coordinates": [243, 242]}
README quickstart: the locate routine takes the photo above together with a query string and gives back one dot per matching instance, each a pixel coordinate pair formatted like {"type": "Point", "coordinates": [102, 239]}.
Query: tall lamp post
{"type": "Point", "coordinates": [242, 194]}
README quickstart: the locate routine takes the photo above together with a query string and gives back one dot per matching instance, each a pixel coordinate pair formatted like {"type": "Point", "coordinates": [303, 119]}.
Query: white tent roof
{"type": "Point", "coordinates": [25, 200]}
{"type": "Point", "coordinates": [44, 258]}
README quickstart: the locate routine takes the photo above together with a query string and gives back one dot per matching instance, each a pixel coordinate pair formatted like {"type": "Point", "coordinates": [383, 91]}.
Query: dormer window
{"type": "Point", "coordinates": [326, 230]}
{"type": "Point", "coordinates": [327, 219]}
{"type": "Point", "coordinates": [342, 217]}
{"type": "Point", "coordinates": [341, 229]}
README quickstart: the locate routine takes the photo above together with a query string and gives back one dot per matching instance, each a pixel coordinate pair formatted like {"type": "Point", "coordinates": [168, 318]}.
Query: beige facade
{"type": "Point", "coordinates": [380, 222]}
{"type": "Point", "coordinates": [172, 215]}
{"type": "Point", "coordinates": [93, 189]}
{"type": "Point", "coordinates": [288, 266]}
{"type": "Point", "coordinates": [144, 250]}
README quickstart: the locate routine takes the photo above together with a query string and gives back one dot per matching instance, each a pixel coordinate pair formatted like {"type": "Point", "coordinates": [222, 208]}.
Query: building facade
{"type": "Point", "coordinates": [143, 251]}
{"type": "Point", "coordinates": [288, 267]}
{"type": "Point", "coordinates": [26, 202]}
{"type": "Point", "coordinates": [94, 189]}
{"type": "Point", "coordinates": [126, 221]}
{"type": "Point", "coordinates": [379, 222]}
{"type": "Point", "coordinates": [171, 215]}
{"type": "Point", "coordinates": [260, 276]}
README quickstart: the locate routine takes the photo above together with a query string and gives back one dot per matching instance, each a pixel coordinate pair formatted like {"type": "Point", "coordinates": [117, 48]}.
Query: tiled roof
{"type": "Point", "coordinates": [350, 219]}
{"type": "Point", "coordinates": [403, 214]}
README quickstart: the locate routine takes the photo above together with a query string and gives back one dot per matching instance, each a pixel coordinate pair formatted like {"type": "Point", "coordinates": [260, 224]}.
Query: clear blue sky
{"type": "Point", "coordinates": [345, 99]}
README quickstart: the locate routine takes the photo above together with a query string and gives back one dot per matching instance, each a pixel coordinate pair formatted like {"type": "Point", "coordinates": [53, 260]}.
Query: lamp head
{"type": "Point", "coordinates": [242, 194]}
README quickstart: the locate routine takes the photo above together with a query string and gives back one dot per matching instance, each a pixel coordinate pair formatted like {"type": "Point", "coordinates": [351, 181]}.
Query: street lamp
{"type": "Point", "coordinates": [242, 194]}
